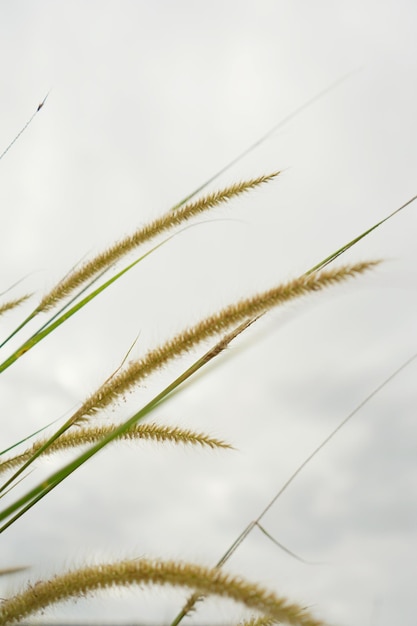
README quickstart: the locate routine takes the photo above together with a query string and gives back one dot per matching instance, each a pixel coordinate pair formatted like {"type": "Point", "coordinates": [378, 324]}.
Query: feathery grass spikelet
{"type": "Point", "coordinates": [169, 220]}
{"type": "Point", "coordinates": [126, 573]}
{"type": "Point", "coordinates": [93, 434]}
{"type": "Point", "coordinates": [220, 322]}
{"type": "Point", "coordinates": [12, 304]}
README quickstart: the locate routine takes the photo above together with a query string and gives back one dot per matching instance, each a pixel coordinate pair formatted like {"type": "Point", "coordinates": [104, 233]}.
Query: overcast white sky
{"type": "Point", "coordinates": [147, 101]}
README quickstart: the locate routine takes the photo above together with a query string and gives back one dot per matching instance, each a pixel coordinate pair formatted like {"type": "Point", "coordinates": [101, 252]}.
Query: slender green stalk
{"type": "Point", "coordinates": [40, 105]}
{"type": "Point", "coordinates": [334, 255]}
{"type": "Point", "coordinates": [51, 325]}
{"type": "Point", "coordinates": [18, 443]}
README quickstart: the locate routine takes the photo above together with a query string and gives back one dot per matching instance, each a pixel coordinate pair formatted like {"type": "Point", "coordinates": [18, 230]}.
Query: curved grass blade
{"type": "Point", "coordinates": [18, 443]}
{"type": "Point", "coordinates": [36, 312]}
{"type": "Point", "coordinates": [351, 243]}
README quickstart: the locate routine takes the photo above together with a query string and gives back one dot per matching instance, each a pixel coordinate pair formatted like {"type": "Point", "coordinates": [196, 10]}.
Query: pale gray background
{"type": "Point", "coordinates": [148, 100]}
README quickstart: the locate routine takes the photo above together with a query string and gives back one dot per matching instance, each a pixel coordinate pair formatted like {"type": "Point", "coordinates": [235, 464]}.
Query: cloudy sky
{"type": "Point", "coordinates": [147, 101]}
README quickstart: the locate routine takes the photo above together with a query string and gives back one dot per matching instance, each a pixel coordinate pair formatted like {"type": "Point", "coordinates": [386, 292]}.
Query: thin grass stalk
{"type": "Point", "coordinates": [28, 437]}
{"type": "Point", "coordinates": [334, 255]}
{"type": "Point", "coordinates": [32, 117]}
{"type": "Point", "coordinates": [33, 314]}
{"type": "Point", "coordinates": [12, 570]}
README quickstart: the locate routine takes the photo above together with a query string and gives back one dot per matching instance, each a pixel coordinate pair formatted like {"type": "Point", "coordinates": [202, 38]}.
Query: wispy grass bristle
{"type": "Point", "coordinates": [169, 220]}
{"type": "Point", "coordinates": [146, 572]}
{"type": "Point", "coordinates": [213, 325]}
{"type": "Point", "coordinates": [12, 304]}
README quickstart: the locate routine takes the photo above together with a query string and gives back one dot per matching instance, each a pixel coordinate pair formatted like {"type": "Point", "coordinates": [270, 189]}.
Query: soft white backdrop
{"type": "Point", "coordinates": [147, 101]}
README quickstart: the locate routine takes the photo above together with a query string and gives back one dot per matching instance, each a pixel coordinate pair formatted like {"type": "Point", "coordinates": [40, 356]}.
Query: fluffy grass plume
{"type": "Point", "coordinates": [12, 304]}
{"type": "Point", "coordinates": [92, 434]}
{"type": "Point", "coordinates": [169, 220]}
{"type": "Point", "coordinates": [81, 582]}
{"type": "Point", "coordinates": [221, 321]}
